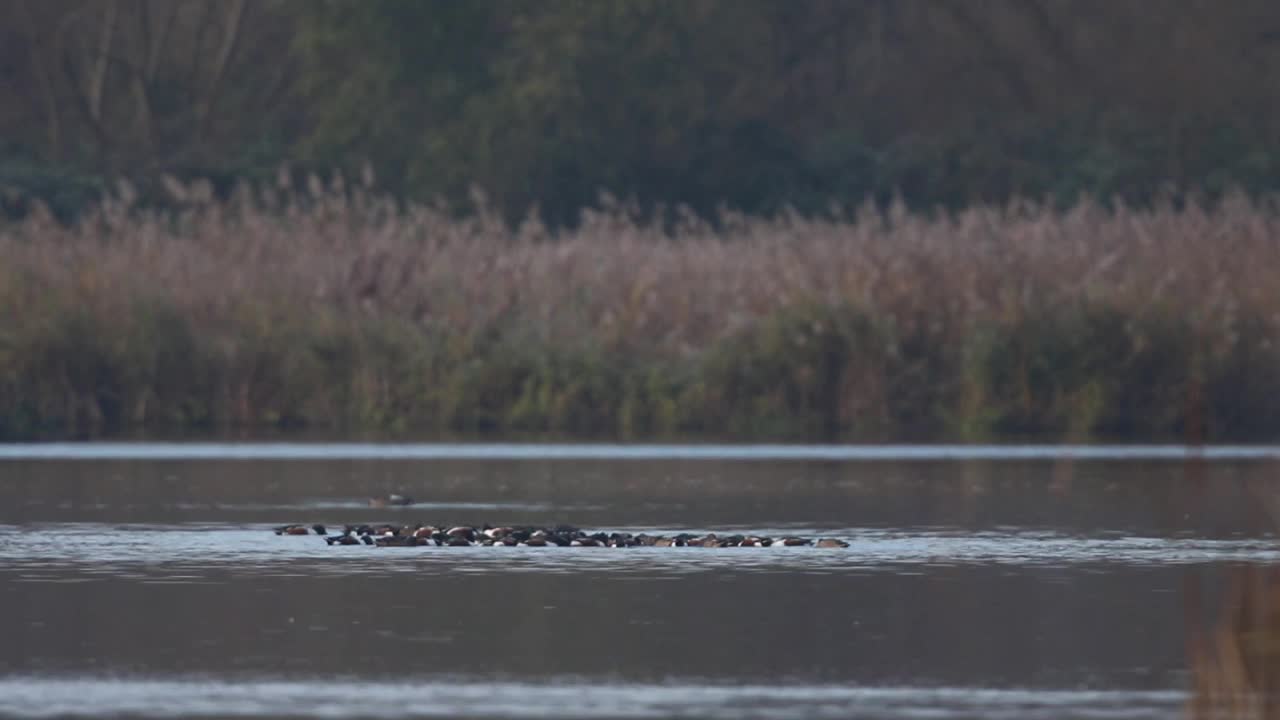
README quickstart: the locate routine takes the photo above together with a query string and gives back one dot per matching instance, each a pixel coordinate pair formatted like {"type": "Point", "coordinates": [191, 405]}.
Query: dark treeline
{"type": "Point", "coordinates": [368, 298]}
{"type": "Point", "coordinates": [751, 104]}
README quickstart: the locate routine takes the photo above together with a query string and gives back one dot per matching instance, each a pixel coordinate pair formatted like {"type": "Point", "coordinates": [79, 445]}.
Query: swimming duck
{"type": "Point", "coordinates": [392, 500]}
{"type": "Point", "coordinates": [300, 530]}
{"type": "Point", "coordinates": [345, 538]}
{"type": "Point", "coordinates": [389, 535]}
{"type": "Point", "coordinates": [462, 531]}
{"type": "Point", "coordinates": [398, 541]}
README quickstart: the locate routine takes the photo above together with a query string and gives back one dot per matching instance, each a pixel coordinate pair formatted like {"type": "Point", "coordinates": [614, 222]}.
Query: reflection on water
{"type": "Point", "coordinates": [1023, 584]}
{"type": "Point", "coordinates": [1235, 657]}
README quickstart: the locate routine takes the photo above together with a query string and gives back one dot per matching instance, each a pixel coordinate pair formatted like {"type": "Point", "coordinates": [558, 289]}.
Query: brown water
{"type": "Point", "coordinates": [144, 580]}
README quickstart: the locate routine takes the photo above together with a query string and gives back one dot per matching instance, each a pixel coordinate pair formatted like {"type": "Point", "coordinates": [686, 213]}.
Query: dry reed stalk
{"type": "Point", "coordinates": [986, 264]}
{"type": "Point", "coordinates": [252, 266]}
{"type": "Point", "coordinates": [1235, 663]}
{"type": "Point", "coordinates": [1235, 666]}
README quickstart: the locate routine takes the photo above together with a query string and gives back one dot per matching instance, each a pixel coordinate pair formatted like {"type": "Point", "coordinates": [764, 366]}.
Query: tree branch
{"type": "Point", "coordinates": [230, 39]}
{"type": "Point", "coordinates": [1014, 77]}
{"type": "Point", "coordinates": [44, 79]}
{"type": "Point", "coordinates": [156, 51]}
{"type": "Point", "coordinates": [82, 100]}
{"type": "Point", "coordinates": [98, 78]}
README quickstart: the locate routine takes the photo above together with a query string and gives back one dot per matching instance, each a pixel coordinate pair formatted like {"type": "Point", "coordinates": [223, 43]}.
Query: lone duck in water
{"type": "Point", "coordinates": [392, 500]}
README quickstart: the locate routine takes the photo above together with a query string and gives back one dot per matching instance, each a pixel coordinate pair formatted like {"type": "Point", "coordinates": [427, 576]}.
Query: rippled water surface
{"type": "Point", "coordinates": [987, 582]}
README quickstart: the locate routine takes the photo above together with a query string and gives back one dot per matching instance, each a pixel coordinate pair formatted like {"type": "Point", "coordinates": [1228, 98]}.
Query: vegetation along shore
{"type": "Point", "coordinates": [332, 307]}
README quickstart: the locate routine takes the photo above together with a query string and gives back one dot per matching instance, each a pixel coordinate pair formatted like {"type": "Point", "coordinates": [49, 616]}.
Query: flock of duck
{"type": "Point", "coordinates": [386, 535]}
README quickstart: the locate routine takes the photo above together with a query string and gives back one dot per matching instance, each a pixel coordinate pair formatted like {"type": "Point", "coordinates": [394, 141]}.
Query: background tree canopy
{"type": "Point", "coordinates": [750, 104]}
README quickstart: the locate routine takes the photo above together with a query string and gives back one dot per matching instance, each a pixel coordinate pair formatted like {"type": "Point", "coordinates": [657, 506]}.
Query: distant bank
{"type": "Point", "coordinates": [341, 313]}
{"type": "Point", "coordinates": [71, 451]}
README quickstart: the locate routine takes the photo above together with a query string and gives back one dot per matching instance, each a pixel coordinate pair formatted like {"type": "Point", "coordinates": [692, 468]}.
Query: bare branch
{"type": "Point", "coordinates": [197, 48]}
{"type": "Point", "coordinates": [1010, 68]}
{"type": "Point", "coordinates": [82, 100]}
{"type": "Point", "coordinates": [1053, 34]}
{"type": "Point", "coordinates": [156, 50]}
{"type": "Point", "coordinates": [230, 38]}
{"type": "Point", "coordinates": [44, 79]}
{"type": "Point", "coordinates": [98, 77]}
{"type": "Point", "coordinates": [139, 80]}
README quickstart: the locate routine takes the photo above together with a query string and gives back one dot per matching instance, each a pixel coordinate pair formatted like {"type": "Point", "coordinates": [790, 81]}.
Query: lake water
{"type": "Point", "coordinates": [144, 580]}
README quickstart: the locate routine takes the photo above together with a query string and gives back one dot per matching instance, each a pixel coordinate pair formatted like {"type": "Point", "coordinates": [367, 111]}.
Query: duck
{"type": "Point", "coordinates": [345, 538]}
{"type": "Point", "coordinates": [392, 500]}
{"type": "Point", "coordinates": [394, 535]}
{"type": "Point", "coordinates": [399, 541]}
{"type": "Point", "coordinates": [710, 540]}
{"type": "Point", "coordinates": [684, 540]}
{"type": "Point", "coordinates": [300, 530]}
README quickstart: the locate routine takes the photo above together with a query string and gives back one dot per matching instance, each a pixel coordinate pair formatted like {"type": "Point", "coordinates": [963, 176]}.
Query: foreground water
{"type": "Point", "coordinates": [990, 583]}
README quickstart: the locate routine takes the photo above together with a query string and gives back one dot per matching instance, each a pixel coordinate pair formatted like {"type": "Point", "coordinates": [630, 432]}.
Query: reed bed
{"type": "Point", "coordinates": [332, 307]}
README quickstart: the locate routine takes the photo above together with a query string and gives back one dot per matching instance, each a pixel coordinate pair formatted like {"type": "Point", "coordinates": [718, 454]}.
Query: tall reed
{"type": "Point", "coordinates": [331, 306]}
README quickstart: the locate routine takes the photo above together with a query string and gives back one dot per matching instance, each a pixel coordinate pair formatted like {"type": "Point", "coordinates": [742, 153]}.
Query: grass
{"type": "Point", "coordinates": [331, 307]}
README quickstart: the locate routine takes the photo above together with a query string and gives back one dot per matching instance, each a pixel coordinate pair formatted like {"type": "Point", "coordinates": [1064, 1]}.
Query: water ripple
{"type": "Point", "coordinates": [191, 550]}
{"type": "Point", "coordinates": [39, 697]}
{"type": "Point", "coordinates": [604, 451]}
